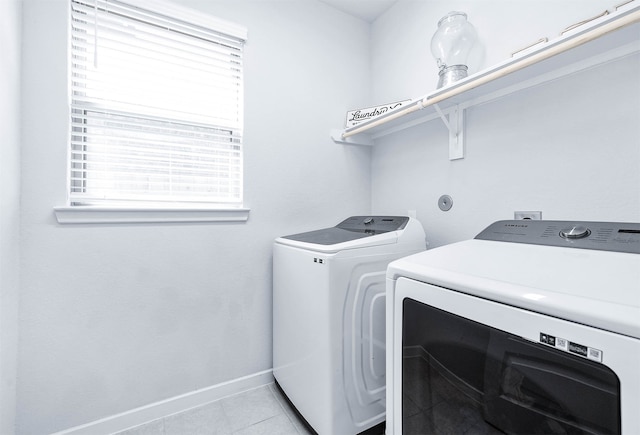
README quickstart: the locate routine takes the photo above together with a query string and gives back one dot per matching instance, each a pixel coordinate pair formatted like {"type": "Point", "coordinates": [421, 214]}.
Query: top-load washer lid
{"type": "Point", "coordinates": [353, 232]}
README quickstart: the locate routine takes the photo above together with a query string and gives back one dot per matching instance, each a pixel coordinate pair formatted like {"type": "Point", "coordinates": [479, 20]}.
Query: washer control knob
{"type": "Point", "coordinates": [575, 232]}
{"type": "Point", "coordinates": [368, 221]}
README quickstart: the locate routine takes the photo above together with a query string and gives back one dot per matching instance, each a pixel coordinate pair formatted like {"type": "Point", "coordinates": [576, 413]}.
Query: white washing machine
{"type": "Point", "coordinates": [329, 318]}
{"type": "Point", "coordinates": [532, 327]}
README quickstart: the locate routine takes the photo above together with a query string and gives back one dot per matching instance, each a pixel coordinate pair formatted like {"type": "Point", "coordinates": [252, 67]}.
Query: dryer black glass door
{"type": "Point", "coordinates": [460, 376]}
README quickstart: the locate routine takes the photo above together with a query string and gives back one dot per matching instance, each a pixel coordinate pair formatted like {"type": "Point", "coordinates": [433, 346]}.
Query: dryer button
{"type": "Point", "coordinates": [576, 232]}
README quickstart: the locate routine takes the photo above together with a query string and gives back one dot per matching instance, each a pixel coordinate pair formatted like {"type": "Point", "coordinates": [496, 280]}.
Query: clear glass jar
{"type": "Point", "coordinates": [451, 45]}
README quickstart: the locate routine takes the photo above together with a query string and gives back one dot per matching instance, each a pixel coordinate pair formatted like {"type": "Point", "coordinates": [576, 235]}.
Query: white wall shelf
{"type": "Point", "coordinates": [602, 40]}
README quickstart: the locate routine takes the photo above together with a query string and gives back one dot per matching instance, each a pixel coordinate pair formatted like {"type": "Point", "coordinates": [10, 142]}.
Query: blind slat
{"type": "Point", "coordinates": [85, 26]}
{"type": "Point", "coordinates": [197, 24]}
{"type": "Point", "coordinates": [156, 111]}
{"type": "Point", "coordinates": [154, 45]}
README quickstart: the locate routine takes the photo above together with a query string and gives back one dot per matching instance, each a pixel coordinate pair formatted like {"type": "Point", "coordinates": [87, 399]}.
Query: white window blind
{"type": "Point", "coordinates": [156, 108]}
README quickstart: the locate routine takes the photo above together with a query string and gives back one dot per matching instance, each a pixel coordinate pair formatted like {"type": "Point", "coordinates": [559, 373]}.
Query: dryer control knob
{"type": "Point", "coordinates": [577, 232]}
{"type": "Point", "coordinates": [368, 220]}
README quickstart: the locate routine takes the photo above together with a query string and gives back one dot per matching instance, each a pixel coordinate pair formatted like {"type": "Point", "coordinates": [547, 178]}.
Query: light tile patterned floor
{"type": "Point", "coordinates": [261, 411]}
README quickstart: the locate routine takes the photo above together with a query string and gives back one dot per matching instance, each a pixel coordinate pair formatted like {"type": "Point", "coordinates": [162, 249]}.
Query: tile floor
{"type": "Point", "coordinates": [260, 411]}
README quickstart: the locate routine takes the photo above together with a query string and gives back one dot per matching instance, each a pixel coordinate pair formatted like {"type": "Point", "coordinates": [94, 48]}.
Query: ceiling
{"type": "Point", "coordinates": [367, 10]}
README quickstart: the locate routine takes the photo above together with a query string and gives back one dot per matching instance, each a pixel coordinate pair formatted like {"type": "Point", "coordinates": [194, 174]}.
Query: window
{"type": "Point", "coordinates": [156, 107]}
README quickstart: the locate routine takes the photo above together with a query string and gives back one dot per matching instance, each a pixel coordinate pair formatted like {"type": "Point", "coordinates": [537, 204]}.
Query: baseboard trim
{"type": "Point", "coordinates": [154, 411]}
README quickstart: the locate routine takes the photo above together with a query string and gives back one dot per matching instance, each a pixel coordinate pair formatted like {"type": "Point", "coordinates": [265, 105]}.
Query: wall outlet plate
{"type": "Point", "coordinates": [527, 215]}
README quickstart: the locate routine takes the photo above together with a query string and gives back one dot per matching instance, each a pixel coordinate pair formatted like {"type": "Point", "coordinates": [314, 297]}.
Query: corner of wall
{"type": "Point", "coordinates": [10, 23]}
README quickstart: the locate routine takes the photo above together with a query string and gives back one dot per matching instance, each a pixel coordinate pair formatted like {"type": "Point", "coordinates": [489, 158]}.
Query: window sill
{"type": "Point", "coordinates": [118, 215]}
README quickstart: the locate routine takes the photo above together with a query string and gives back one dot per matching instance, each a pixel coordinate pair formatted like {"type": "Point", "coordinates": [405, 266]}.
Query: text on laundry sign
{"type": "Point", "coordinates": [355, 117]}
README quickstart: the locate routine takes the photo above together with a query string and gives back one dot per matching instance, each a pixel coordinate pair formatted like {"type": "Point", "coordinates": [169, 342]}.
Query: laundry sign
{"type": "Point", "coordinates": [355, 117]}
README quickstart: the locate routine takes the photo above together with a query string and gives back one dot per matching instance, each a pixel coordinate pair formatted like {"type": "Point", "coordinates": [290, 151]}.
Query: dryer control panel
{"type": "Point", "coordinates": [602, 236]}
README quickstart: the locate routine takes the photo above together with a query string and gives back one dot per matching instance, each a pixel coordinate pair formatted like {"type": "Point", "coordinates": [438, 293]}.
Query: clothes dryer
{"type": "Point", "coordinates": [329, 318]}
{"type": "Point", "coordinates": [532, 327]}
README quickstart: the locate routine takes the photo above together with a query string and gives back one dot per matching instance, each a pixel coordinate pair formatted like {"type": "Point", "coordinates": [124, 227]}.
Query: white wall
{"type": "Point", "coordinates": [570, 148]}
{"type": "Point", "coordinates": [118, 316]}
{"type": "Point", "coordinates": [9, 206]}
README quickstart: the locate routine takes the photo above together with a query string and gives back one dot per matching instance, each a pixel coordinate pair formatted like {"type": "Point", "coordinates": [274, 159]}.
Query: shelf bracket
{"type": "Point", "coordinates": [455, 124]}
{"type": "Point", "coordinates": [362, 139]}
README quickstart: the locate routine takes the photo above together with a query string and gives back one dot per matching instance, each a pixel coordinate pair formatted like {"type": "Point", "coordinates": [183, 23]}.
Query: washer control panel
{"type": "Point", "coordinates": [353, 228]}
{"type": "Point", "coordinates": [602, 236]}
{"type": "Point", "coordinates": [373, 224]}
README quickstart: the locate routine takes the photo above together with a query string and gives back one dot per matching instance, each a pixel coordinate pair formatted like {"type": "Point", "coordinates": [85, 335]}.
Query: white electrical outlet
{"type": "Point", "coordinates": [527, 215]}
